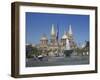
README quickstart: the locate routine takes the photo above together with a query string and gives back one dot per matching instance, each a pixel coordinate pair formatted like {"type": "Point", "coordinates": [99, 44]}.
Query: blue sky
{"type": "Point", "coordinates": [38, 24]}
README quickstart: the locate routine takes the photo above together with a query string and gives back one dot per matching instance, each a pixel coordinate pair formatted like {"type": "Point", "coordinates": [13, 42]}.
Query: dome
{"type": "Point", "coordinates": [64, 36]}
{"type": "Point", "coordinates": [44, 37]}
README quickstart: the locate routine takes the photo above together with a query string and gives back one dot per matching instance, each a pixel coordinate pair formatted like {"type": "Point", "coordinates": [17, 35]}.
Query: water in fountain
{"type": "Point", "coordinates": [67, 44]}
{"type": "Point", "coordinates": [68, 51]}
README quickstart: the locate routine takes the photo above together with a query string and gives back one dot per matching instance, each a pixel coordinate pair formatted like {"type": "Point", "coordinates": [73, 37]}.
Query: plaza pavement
{"type": "Point", "coordinates": [56, 61]}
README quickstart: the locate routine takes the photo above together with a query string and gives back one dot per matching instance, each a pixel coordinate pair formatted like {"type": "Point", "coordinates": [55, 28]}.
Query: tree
{"type": "Point", "coordinates": [32, 51]}
{"type": "Point", "coordinates": [36, 51]}
{"type": "Point", "coordinates": [28, 51]}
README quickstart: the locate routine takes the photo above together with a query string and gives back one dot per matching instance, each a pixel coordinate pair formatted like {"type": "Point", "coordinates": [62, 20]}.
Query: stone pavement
{"type": "Point", "coordinates": [55, 61]}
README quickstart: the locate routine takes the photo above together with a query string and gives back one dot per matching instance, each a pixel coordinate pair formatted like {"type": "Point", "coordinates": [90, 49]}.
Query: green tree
{"type": "Point", "coordinates": [36, 51]}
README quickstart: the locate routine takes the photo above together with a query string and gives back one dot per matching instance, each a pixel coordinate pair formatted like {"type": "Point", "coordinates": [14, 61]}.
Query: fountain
{"type": "Point", "coordinates": [68, 51]}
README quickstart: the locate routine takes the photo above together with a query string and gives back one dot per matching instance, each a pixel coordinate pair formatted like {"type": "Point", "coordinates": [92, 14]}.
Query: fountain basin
{"type": "Point", "coordinates": [68, 53]}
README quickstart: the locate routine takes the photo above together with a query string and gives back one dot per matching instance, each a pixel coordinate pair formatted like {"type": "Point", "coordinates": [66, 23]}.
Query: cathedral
{"type": "Point", "coordinates": [55, 46]}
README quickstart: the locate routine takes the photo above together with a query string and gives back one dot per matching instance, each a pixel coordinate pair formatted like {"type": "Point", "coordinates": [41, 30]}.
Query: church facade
{"type": "Point", "coordinates": [55, 46]}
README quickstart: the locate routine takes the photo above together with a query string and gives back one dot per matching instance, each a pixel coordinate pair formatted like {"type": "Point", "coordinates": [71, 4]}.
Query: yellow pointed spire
{"type": "Point", "coordinates": [53, 30]}
{"type": "Point", "coordinates": [70, 30]}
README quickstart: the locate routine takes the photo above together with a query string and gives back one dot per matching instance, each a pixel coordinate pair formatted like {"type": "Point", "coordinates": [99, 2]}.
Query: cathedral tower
{"type": "Point", "coordinates": [70, 36]}
{"type": "Point", "coordinates": [53, 40]}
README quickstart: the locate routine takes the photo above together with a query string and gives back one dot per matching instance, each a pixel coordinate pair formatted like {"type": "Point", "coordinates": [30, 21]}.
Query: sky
{"type": "Point", "coordinates": [38, 24]}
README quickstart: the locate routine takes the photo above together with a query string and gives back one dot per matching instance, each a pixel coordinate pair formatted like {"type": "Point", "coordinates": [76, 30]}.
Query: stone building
{"type": "Point", "coordinates": [55, 46]}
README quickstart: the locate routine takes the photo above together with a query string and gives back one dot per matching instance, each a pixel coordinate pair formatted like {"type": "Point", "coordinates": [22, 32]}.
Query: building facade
{"type": "Point", "coordinates": [55, 46]}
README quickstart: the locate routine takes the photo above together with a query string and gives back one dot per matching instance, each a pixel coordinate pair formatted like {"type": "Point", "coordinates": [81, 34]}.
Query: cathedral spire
{"type": "Point", "coordinates": [53, 30]}
{"type": "Point", "coordinates": [70, 30]}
